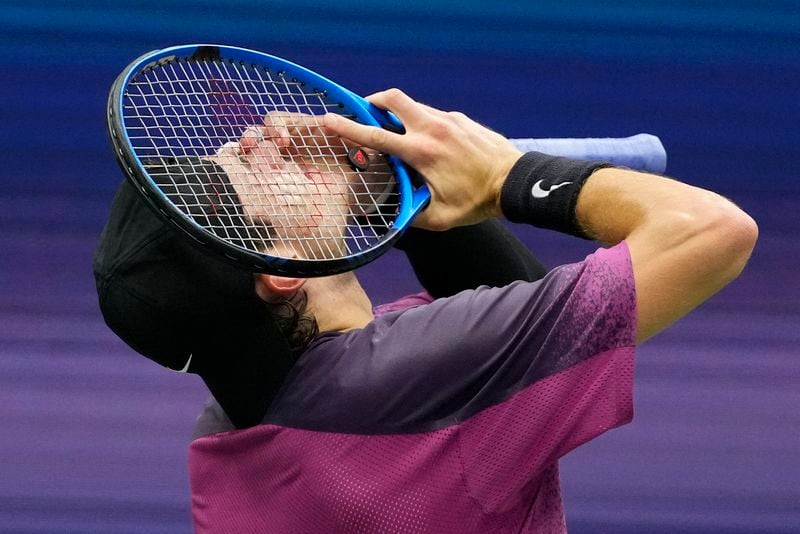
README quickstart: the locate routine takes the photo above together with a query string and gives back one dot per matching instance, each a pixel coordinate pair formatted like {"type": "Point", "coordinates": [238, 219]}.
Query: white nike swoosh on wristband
{"type": "Point", "coordinates": [538, 192]}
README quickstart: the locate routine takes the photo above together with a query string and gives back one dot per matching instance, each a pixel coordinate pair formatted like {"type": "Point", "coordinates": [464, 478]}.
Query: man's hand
{"type": "Point", "coordinates": [290, 195]}
{"type": "Point", "coordinates": [303, 138]}
{"type": "Point", "coordinates": [463, 163]}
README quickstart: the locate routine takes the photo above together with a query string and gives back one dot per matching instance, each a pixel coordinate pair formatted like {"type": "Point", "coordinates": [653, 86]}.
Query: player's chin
{"type": "Point", "coordinates": [320, 249]}
{"type": "Point", "coordinates": [328, 242]}
{"type": "Point", "coordinates": [314, 235]}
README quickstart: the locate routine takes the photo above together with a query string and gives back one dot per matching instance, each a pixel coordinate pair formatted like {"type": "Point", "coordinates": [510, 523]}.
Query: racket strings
{"type": "Point", "coordinates": [296, 193]}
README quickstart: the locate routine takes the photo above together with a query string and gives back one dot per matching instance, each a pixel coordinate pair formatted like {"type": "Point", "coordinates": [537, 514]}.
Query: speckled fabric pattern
{"type": "Point", "coordinates": [443, 417]}
{"type": "Point", "coordinates": [404, 303]}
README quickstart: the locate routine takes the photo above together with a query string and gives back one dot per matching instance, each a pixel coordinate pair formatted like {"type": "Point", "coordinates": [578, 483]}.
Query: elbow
{"type": "Point", "coordinates": [734, 236]}
{"type": "Point", "coordinates": [744, 235]}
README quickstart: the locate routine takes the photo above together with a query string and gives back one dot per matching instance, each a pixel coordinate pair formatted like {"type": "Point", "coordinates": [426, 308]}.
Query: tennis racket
{"type": "Point", "coordinates": [226, 144]}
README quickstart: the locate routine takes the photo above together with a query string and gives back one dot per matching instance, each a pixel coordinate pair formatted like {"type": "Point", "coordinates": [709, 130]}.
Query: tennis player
{"type": "Point", "coordinates": [428, 414]}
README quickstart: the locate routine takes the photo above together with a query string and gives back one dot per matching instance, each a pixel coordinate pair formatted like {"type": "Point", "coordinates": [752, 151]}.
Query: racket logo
{"type": "Point", "coordinates": [358, 158]}
{"type": "Point", "coordinates": [539, 192]}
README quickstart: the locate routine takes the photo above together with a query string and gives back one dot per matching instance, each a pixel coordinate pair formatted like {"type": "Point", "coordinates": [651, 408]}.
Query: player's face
{"type": "Point", "coordinates": [296, 181]}
{"type": "Point", "coordinates": [304, 205]}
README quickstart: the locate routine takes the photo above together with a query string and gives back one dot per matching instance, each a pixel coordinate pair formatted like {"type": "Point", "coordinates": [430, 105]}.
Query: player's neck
{"type": "Point", "coordinates": [338, 303]}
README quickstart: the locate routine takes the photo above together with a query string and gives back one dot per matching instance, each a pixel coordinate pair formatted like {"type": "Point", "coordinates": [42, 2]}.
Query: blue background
{"type": "Point", "coordinates": [93, 438]}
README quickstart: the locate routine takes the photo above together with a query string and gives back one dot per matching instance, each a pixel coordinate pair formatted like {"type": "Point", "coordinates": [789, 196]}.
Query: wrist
{"type": "Point", "coordinates": [542, 190]}
{"type": "Point", "coordinates": [498, 179]}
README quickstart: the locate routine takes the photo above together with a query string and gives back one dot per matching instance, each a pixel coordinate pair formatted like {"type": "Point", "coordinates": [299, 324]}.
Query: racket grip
{"type": "Point", "coordinates": [642, 152]}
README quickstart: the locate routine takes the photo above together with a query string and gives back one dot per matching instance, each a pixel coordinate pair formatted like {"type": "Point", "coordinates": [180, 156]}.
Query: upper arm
{"type": "Point", "coordinates": [675, 277]}
{"type": "Point", "coordinates": [685, 243]}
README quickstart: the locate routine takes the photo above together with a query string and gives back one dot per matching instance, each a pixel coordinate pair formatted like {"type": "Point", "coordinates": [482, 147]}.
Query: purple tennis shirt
{"type": "Point", "coordinates": [439, 416]}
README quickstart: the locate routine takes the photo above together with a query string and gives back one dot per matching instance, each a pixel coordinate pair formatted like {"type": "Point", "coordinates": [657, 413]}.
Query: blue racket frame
{"type": "Point", "coordinates": [411, 200]}
{"type": "Point", "coordinates": [642, 152]}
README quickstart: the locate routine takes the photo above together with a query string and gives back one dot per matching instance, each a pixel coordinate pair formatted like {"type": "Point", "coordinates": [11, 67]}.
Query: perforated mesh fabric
{"type": "Point", "coordinates": [482, 469]}
{"type": "Point", "coordinates": [474, 477]}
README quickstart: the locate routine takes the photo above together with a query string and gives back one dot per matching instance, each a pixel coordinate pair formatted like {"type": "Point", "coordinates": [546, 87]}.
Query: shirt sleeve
{"type": "Point", "coordinates": [443, 363]}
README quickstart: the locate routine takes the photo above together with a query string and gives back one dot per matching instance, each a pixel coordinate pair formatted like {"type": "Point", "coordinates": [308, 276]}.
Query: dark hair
{"type": "Point", "coordinates": [293, 319]}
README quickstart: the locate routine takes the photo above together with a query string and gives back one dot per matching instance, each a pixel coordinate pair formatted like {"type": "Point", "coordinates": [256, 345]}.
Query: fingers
{"type": "Point", "coordinates": [369, 136]}
{"type": "Point", "coordinates": [250, 139]}
{"type": "Point", "coordinates": [259, 151]}
{"type": "Point", "coordinates": [289, 127]}
{"type": "Point", "coordinates": [227, 157]}
{"type": "Point", "coordinates": [291, 120]}
{"type": "Point", "coordinates": [229, 149]}
{"type": "Point", "coordinates": [303, 136]}
{"type": "Point", "coordinates": [410, 112]}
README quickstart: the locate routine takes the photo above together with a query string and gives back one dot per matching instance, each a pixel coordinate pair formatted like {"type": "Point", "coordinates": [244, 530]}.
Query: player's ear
{"type": "Point", "coordinates": [269, 286]}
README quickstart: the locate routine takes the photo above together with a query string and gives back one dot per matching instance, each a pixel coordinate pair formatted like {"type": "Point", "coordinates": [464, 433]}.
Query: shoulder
{"type": "Point", "coordinates": [441, 361]}
{"type": "Point", "coordinates": [428, 365]}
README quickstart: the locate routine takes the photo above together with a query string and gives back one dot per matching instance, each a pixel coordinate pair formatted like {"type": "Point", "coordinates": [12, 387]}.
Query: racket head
{"type": "Point", "coordinates": [184, 103]}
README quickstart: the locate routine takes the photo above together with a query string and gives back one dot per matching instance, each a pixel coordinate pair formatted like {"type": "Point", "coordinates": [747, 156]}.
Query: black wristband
{"type": "Point", "coordinates": [542, 190]}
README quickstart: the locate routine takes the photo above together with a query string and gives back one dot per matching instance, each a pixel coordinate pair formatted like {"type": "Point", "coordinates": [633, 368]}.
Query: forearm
{"type": "Point", "coordinates": [467, 257]}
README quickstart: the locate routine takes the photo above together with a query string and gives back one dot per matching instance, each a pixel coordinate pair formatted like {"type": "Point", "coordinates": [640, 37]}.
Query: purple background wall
{"type": "Point", "coordinates": [93, 437]}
